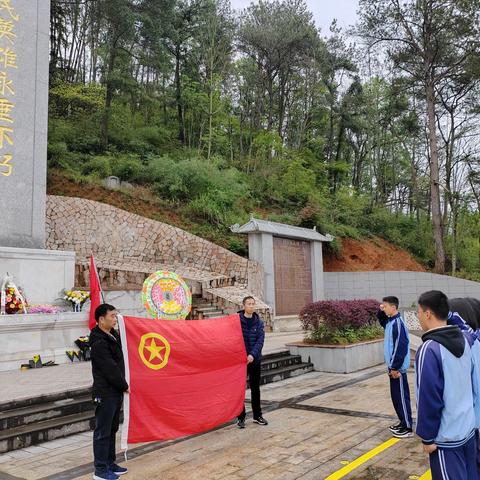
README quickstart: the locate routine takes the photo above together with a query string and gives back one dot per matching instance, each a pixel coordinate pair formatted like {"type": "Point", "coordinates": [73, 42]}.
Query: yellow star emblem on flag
{"type": "Point", "coordinates": [154, 350]}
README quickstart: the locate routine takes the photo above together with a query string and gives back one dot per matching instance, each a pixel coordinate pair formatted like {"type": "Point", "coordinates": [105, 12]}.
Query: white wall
{"type": "Point", "coordinates": [43, 274]}
{"type": "Point", "coordinates": [407, 286]}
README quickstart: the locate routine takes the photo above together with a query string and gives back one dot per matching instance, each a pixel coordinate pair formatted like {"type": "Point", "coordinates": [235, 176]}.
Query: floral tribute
{"type": "Point", "coordinates": [166, 296]}
{"type": "Point", "coordinates": [11, 298]}
{"type": "Point", "coordinates": [76, 298]}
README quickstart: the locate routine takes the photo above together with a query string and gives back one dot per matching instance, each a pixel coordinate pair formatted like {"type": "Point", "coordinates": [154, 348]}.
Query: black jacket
{"type": "Point", "coordinates": [108, 367]}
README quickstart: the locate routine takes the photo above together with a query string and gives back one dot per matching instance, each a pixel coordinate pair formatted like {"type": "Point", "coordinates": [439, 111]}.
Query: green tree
{"type": "Point", "coordinates": [430, 41]}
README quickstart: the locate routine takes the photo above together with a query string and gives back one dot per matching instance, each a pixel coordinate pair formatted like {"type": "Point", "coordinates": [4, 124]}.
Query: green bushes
{"type": "Point", "coordinates": [127, 168]}
{"type": "Point", "coordinates": [98, 166]}
{"type": "Point", "coordinates": [211, 194]}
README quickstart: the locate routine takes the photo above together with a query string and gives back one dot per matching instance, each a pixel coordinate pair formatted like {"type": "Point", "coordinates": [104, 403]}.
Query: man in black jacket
{"type": "Point", "coordinates": [254, 337]}
{"type": "Point", "coordinates": [109, 384]}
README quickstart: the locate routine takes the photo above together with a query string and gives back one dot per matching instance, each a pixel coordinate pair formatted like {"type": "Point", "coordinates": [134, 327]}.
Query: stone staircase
{"type": "Point", "coordinates": [202, 308]}
{"type": "Point", "coordinates": [47, 417]}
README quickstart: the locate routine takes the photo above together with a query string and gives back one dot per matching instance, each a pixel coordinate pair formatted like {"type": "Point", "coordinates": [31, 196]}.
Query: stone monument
{"type": "Point", "coordinates": [24, 69]}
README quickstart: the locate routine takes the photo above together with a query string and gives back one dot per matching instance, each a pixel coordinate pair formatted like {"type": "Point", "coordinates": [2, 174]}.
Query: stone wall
{"type": "Point", "coordinates": [128, 246]}
{"type": "Point", "coordinates": [407, 286]}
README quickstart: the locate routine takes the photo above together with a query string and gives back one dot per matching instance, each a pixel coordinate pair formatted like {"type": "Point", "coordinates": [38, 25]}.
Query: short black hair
{"type": "Point", "coordinates": [102, 310]}
{"type": "Point", "coordinates": [436, 301]}
{"type": "Point", "coordinates": [244, 301]}
{"type": "Point", "coordinates": [391, 300]}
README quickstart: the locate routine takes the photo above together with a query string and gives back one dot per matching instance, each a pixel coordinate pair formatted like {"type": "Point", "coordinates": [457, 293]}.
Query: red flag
{"type": "Point", "coordinates": [95, 291]}
{"type": "Point", "coordinates": [185, 377]}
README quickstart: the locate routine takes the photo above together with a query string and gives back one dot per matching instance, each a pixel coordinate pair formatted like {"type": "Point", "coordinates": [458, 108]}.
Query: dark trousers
{"type": "Point", "coordinates": [455, 463]}
{"type": "Point", "coordinates": [107, 416]}
{"type": "Point", "coordinates": [477, 436]}
{"type": "Point", "coordinates": [400, 393]}
{"type": "Point", "coordinates": [253, 371]}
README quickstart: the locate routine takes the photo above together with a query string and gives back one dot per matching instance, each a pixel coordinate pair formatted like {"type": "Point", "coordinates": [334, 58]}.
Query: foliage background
{"type": "Point", "coordinates": [218, 115]}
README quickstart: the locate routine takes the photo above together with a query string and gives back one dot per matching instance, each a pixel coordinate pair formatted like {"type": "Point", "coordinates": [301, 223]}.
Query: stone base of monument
{"type": "Point", "coordinates": [22, 336]}
{"type": "Point", "coordinates": [42, 274]}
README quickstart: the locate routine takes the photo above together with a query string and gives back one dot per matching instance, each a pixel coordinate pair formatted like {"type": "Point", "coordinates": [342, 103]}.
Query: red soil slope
{"type": "Point", "coordinates": [356, 255]}
{"type": "Point", "coordinates": [368, 255]}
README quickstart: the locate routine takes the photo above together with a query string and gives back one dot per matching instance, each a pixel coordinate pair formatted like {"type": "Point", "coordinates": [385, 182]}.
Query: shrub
{"type": "Point", "coordinates": [99, 166]}
{"type": "Point", "coordinates": [340, 321]}
{"type": "Point", "coordinates": [346, 335]}
{"type": "Point", "coordinates": [56, 153]}
{"type": "Point", "coordinates": [86, 143]}
{"type": "Point", "coordinates": [154, 136]}
{"type": "Point", "coordinates": [127, 168]}
{"type": "Point", "coordinates": [238, 246]}
{"type": "Point", "coordinates": [190, 179]}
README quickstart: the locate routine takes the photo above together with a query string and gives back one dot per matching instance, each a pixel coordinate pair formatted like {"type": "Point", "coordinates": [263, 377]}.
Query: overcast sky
{"type": "Point", "coordinates": [324, 11]}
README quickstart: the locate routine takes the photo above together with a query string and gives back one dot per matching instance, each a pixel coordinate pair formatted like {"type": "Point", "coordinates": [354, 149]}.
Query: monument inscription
{"type": "Point", "coordinates": [24, 44]}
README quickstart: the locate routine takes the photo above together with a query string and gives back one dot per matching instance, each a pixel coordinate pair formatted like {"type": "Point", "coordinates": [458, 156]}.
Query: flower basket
{"type": "Point", "coordinates": [76, 298]}
{"type": "Point", "coordinates": [12, 299]}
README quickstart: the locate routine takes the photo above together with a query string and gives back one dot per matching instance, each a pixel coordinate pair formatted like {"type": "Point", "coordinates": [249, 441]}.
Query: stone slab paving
{"type": "Point", "coordinates": [32, 383]}
{"type": "Point", "coordinates": [44, 381]}
{"type": "Point", "coordinates": [315, 429]}
{"type": "Point", "coordinates": [360, 394]}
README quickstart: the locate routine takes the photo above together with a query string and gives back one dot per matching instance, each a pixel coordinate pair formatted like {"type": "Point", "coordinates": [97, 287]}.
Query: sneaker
{"type": "Point", "coordinates": [403, 433]}
{"type": "Point", "coordinates": [241, 423]}
{"type": "Point", "coordinates": [260, 420]}
{"type": "Point", "coordinates": [394, 428]}
{"type": "Point", "coordinates": [118, 470]}
{"type": "Point", "coordinates": [105, 476]}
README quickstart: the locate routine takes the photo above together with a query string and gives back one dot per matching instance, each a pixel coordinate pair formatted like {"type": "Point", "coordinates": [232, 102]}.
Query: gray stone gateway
{"type": "Point", "coordinates": [292, 260]}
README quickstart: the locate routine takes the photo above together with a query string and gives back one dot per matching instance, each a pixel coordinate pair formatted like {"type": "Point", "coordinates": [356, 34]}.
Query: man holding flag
{"type": "Point", "coordinates": [254, 337]}
{"type": "Point", "coordinates": [109, 385]}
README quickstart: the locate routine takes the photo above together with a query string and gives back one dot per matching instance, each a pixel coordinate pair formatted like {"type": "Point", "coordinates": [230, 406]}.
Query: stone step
{"type": "Point", "coordinates": [214, 314]}
{"type": "Point", "coordinates": [211, 308]}
{"type": "Point", "coordinates": [202, 304]}
{"type": "Point", "coordinates": [279, 374]}
{"type": "Point", "coordinates": [44, 411]}
{"type": "Point", "coordinates": [47, 430]}
{"type": "Point", "coordinates": [280, 361]}
{"type": "Point", "coordinates": [35, 420]}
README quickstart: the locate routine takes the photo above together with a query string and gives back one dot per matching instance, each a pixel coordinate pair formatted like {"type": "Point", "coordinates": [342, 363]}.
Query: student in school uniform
{"type": "Point", "coordinates": [446, 392]}
{"type": "Point", "coordinates": [397, 358]}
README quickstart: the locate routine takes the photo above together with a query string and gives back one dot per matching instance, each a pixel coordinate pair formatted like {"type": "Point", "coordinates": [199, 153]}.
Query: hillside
{"type": "Point", "coordinates": [369, 255]}
{"type": "Point", "coordinates": [355, 255]}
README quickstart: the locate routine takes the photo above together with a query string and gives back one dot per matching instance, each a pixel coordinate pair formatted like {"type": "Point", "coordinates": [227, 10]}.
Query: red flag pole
{"type": "Point", "coordinates": [95, 292]}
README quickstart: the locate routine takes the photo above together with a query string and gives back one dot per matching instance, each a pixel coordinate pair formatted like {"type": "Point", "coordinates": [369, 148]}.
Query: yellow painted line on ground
{"type": "Point", "coordinates": [426, 476]}
{"type": "Point", "coordinates": [361, 460]}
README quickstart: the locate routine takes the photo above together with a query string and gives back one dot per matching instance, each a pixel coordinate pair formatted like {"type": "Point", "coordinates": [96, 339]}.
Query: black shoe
{"type": "Point", "coordinates": [394, 428]}
{"type": "Point", "coordinates": [241, 423]}
{"type": "Point", "coordinates": [403, 433]}
{"type": "Point", "coordinates": [260, 420]}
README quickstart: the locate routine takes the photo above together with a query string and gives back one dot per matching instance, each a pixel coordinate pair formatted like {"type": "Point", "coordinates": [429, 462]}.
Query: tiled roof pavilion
{"type": "Point", "coordinates": [256, 225]}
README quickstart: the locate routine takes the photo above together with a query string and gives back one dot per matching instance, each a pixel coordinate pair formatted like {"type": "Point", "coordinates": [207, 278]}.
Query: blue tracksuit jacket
{"type": "Point", "coordinates": [446, 387]}
{"type": "Point", "coordinates": [454, 318]}
{"type": "Point", "coordinates": [396, 344]}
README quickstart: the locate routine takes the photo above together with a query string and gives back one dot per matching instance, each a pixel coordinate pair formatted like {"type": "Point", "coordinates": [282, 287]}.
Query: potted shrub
{"type": "Point", "coordinates": [341, 336]}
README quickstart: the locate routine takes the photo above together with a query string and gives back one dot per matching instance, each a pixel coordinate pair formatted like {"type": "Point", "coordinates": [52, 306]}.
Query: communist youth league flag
{"type": "Point", "coordinates": [185, 377]}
